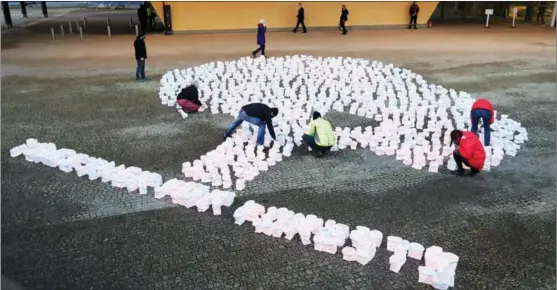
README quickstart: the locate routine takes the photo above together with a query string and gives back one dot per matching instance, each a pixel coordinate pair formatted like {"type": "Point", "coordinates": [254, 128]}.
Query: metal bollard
{"type": "Point", "coordinates": [85, 22]}
{"type": "Point", "coordinates": [136, 30]}
{"type": "Point", "coordinates": [62, 29]}
{"type": "Point", "coordinates": [108, 21]}
{"type": "Point", "coordinates": [131, 22]}
{"type": "Point", "coordinates": [53, 35]}
{"type": "Point", "coordinates": [109, 32]}
{"type": "Point", "coordinates": [80, 32]}
{"type": "Point", "coordinates": [70, 25]}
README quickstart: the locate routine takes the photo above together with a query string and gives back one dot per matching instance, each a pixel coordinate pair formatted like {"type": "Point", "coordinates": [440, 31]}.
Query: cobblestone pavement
{"type": "Point", "coordinates": [60, 231]}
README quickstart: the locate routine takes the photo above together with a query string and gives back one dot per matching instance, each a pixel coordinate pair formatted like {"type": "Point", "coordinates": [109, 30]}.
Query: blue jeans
{"type": "Point", "coordinates": [485, 116]}
{"type": "Point", "coordinates": [310, 140]}
{"type": "Point", "coordinates": [140, 70]}
{"type": "Point", "coordinates": [242, 116]}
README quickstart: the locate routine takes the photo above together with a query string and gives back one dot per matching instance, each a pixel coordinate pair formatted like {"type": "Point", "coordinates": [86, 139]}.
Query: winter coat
{"type": "Point", "coordinates": [471, 149]}
{"type": "Point", "coordinates": [323, 132]}
{"type": "Point", "coordinates": [414, 9]}
{"type": "Point", "coordinates": [190, 93]}
{"type": "Point", "coordinates": [140, 48]}
{"type": "Point", "coordinates": [344, 15]}
{"type": "Point", "coordinates": [262, 112]}
{"type": "Point", "coordinates": [486, 105]}
{"type": "Point", "coordinates": [300, 13]}
{"type": "Point", "coordinates": [261, 30]}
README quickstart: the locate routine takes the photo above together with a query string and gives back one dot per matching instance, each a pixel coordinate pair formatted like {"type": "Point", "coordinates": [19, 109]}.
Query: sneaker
{"type": "Point", "coordinates": [253, 54]}
{"type": "Point", "coordinates": [473, 171]}
{"type": "Point", "coordinates": [460, 172]}
{"type": "Point", "coordinates": [294, 30]}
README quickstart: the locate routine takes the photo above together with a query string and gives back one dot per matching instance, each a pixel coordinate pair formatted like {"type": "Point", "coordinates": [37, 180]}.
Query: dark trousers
{"type": "Point", "coordinates": [310, 141]}
{"type": "Point", "coordinates": [485, 115]}
{"type": "Point", "coordinates": [261, 48]}
{"type": "Point", "coordinates": [540, 18]}
{"type": "Point", "coordinates": [151, 23]}
{"type": "Point", "coordinates": [298, 23]}
{"type": "Point", "coordinates": [140, 70]}
{"type": "Point", "coordinates": [413, 21]}
{"type": "Point", "coordinates": [460, 160]}
{"type": "Point", "coordinates": [342, 26]}
{"type": "Point", "coordinates": [143, 24]}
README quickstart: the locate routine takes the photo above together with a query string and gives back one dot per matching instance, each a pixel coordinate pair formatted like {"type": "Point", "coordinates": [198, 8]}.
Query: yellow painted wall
{"type": "Point", "coordinates": [195, 16]}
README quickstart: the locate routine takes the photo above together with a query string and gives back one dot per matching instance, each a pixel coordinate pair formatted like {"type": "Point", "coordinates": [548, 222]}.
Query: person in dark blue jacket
{"type": "Point", "coordinates": [261, 30]}
{"type": "Point", "coordinates": [257, 114]}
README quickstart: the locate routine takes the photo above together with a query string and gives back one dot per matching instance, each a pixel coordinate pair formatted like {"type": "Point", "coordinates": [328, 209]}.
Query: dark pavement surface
{"type": "Point", "coordinates": [60, 231]}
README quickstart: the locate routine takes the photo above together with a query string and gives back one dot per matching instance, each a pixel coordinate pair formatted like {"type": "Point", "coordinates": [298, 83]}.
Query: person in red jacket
{"type": "Point", "coordinates": [469, 151]}
{"type": "Point", "coordinates": [482, 110]}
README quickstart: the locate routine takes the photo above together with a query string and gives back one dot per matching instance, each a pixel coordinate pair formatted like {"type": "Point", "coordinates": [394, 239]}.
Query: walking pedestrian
{"type": "Point", "coordinates": [142, 16]}
{"type": "Point", "coordinates": [343, 18]}
{"type": "Point", "coordinates": [140, 56]}
{"type": "Point", "coordinates": [414, 10]}
{"type": "Point", "coordinates": [300, 17]}
{"type": "Point", "coordinates": [540, 17]}
{"type": "Point", "coordinates": [261, 30]}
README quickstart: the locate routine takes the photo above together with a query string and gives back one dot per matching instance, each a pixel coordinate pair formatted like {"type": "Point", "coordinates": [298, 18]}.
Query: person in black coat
{"type": "Point", "coordinates": [257, 114]}
{"type": "Point", "coordinates": [143, 19]}
{"type": "Point", "coordinates": [300, 18]}
{"type": "Point", "coordinates": [140, 56]}
{"type": "Point", "coordinates": [343, 19]}
{"type": "Point", "coordinates": [414, 10]}
{"type": "Point", "coordinates": [188, 98]}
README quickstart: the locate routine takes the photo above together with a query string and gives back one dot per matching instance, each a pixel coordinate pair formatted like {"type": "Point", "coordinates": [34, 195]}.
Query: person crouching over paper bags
{"type": "Point", "coordinates": [188, 98]}
{"type": "Point", "coordinates": [469, 151]}
{"type": "Point", "coordinates": [321, 136]}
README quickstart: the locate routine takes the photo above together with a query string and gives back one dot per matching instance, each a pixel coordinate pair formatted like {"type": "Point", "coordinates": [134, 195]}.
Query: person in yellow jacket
{"type": "Point", "coordinates": [321, 136]}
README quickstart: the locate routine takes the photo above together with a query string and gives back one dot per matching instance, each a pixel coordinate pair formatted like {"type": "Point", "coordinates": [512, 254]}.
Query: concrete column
{"type": "Point", "coordinates": [43, 7]}
{"type": "Point", "coordinates": [442, 4]}
{"type": "Point", "coordinates": [7, 15]}
{"type": "Point", "coordinates": [23, 9]}
{"type": "Point", "coordinates": [553, 14]}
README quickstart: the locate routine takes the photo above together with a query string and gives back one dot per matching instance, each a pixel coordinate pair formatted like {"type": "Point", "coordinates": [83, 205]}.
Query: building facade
{"type": "Point", "coordinates": [244, 16]}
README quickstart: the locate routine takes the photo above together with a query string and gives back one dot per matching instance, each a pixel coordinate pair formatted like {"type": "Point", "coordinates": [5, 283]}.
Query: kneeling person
{"type": "Point", "coordinates": [188, 98]}
{"type": "Point", "coordinates": [469, 151]}
{"type": "Point", "coordinates": [321, 136]}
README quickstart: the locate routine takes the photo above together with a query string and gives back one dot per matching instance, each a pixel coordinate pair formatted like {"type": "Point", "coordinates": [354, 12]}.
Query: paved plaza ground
{"type": "Point", "coordinates": [60, 231]}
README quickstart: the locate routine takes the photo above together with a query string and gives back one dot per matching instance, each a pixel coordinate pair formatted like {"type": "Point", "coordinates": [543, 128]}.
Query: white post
{"type": "Point", "coordinates": [553, 15]}
{"type": "Point", "coordinates": [488, 12]}
{"type": "Point", "coordinates": [515, 11]}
